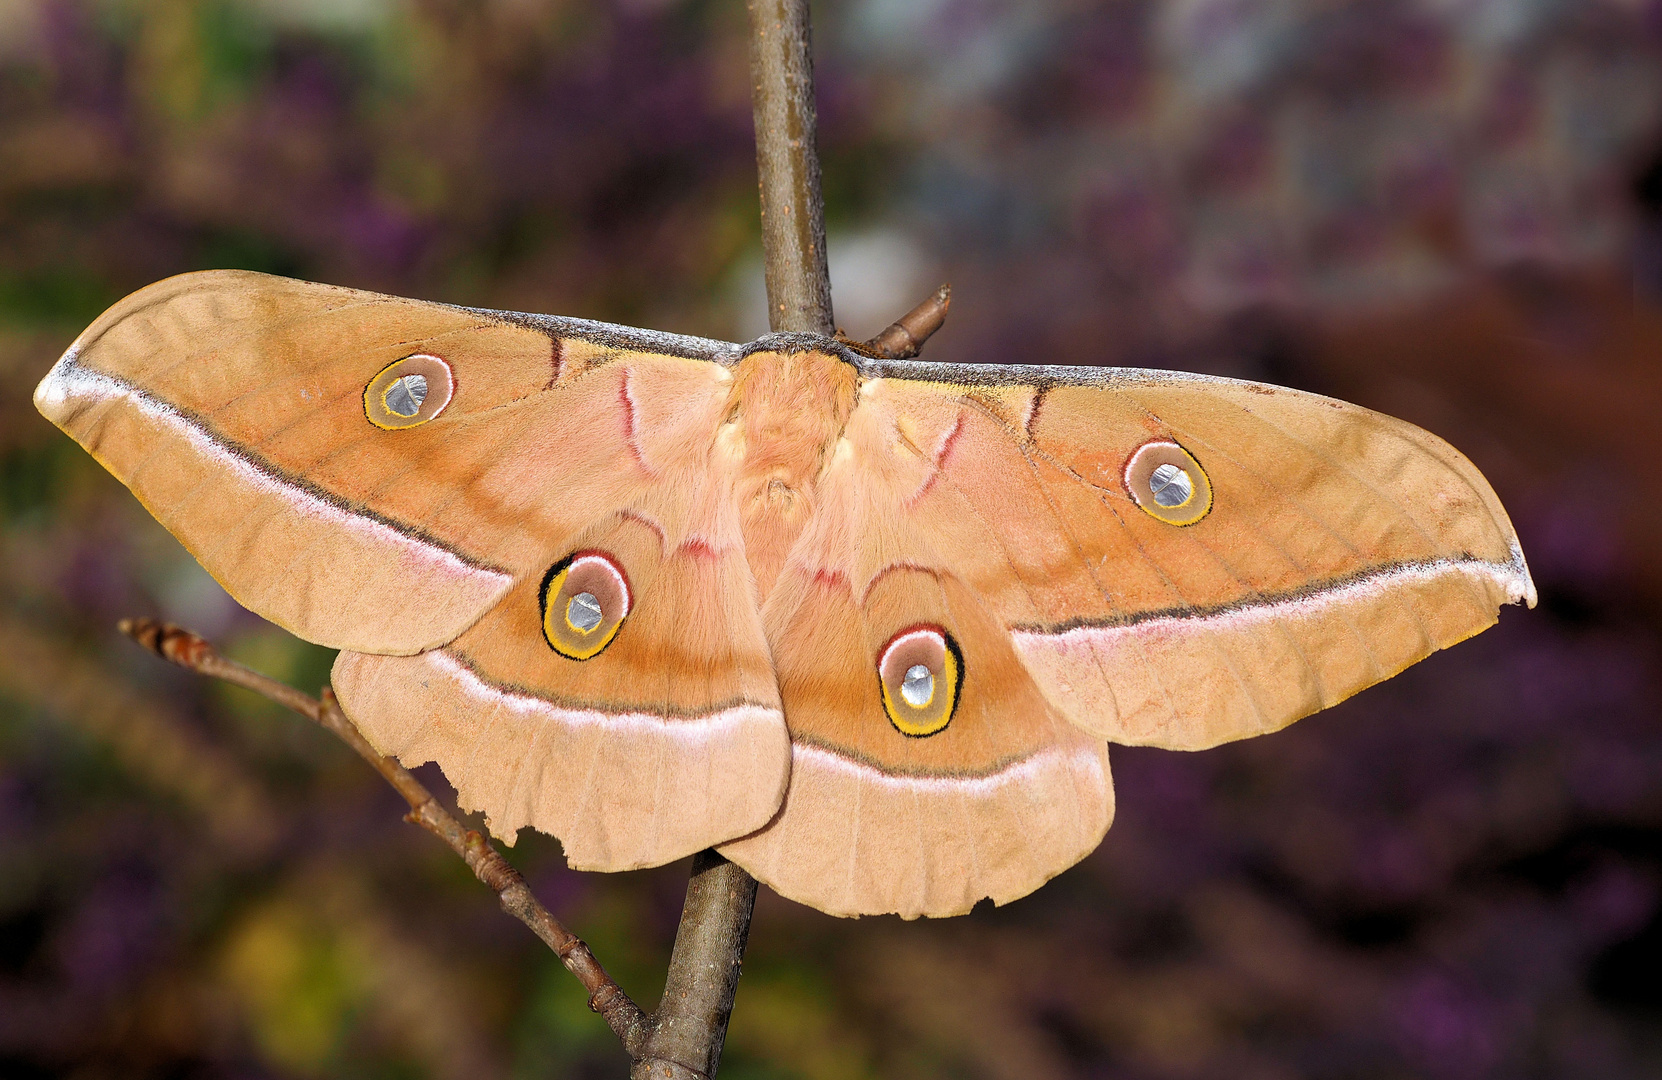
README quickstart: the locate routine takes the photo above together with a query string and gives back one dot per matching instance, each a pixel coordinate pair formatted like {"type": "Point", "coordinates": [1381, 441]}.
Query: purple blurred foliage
{"type": "Point", "coordinates": [1447, 209]}
{"type": "Point", "coordinates": [1447, 1030]}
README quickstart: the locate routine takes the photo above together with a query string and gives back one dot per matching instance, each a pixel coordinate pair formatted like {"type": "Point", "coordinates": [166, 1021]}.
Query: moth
{"type": "Point", "coordinates": [865, 626]}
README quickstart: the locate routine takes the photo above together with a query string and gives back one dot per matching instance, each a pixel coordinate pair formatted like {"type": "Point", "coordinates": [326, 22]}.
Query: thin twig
{"type": "Point", "coordinates": [904, 338]}
{"type": "Point", "coordinates": [188, 650]}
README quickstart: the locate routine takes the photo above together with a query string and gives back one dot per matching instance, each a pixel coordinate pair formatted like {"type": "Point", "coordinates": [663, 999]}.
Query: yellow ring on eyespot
{"type": "Point", "coordinates": [948, 677]}
{"type": "Point", "coordinates": [602, 577]}
{"type": "Point", "coordinates": [441, 387]}
{"type": "Point", "coordinates": [919, 721]}
{"type": "Point", "coordinates": [1139, 470]}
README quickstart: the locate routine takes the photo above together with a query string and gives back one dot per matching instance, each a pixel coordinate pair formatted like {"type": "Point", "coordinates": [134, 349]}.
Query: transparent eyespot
{"type": "Point", "coordinates": [919, 674]}
{"type": "Point", "coordinates": [918, 686]}
{"type": "Point", "coordinates": [409, 392]}
{"type": "Point", "coordinates": [405, 396]}
{"type": "Point", "coordinates": [1168, 483]}
{"type": "Point", "coordinates": [585, 598]}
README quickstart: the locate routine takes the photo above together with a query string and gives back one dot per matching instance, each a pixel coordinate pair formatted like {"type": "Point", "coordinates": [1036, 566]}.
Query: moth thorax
{"type": "Point", "coordinates": [920, 672]}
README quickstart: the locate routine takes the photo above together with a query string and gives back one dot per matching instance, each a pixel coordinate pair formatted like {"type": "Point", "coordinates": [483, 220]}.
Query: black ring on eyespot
{"type": "Point", "coordinates": [1140, 471]}
{"type": "Point", "coordinates": [603, 578]}
{"type": "Point", "coordinates": [921, 639]}
{"type": "Point", "coordinates": [434, 386]}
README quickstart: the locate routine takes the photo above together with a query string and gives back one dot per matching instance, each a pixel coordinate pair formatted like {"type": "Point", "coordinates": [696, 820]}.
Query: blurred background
{"type": "Point", "coordinates": [1450, 210]}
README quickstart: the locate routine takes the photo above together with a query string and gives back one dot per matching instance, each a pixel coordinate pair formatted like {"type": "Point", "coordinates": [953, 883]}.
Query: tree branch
{"type": "Point", "coordinates": [690, 1026]}
{"type": "Point", "coordinates": [688, 1030]}
{"type": "Point", "coordinates": [186, 649]}
{"type": "Point", "coordinates": [787, 167]}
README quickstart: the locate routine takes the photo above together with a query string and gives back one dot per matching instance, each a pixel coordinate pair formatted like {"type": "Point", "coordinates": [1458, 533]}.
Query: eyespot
{"type": "Point", "coordinates": [408, 392]}
{"type": "Point", "coordinates": [585, 597]}
{"type": "Point", "coordinates": [920, 672]}
{"type": "Point", "coordinates": [1168, 483]}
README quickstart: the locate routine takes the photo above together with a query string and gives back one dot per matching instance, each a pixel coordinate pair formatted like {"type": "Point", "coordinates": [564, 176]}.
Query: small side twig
{"type": "Point", "coordinates": [188, 650]}
{"type": "Point", "coordinates": [904, 338]}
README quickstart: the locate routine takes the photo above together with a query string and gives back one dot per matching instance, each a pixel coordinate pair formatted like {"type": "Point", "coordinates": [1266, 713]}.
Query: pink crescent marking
{"type": "Point", "coordinates": [626, 398]}
{"type": "Point", "coordinates": [942, 450]}
{"type": "Point", "coordinates": [695, 548]}
{"type": "Point", "coordinates": [449, 379]}
{"type": "Point", "coordinates": [909, 634]}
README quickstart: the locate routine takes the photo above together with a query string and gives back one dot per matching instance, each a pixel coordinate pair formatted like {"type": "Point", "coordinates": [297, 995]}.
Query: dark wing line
{"type": "Point", "coordinates": [1319, 522]}
{"type": "Point", "coordinates": [1024, 809]}
{"type": "Point", "coordinates": [1044, 377]}
{"type": "Point", "coordinates": [1292, 641]}
{"type": "Point", "coordinates": [997, 766]}
{"type": "Point", "coordinates": [1260, 598]}
{"type": "Point", "coordinates": [461, 489]}
{"type": "Point", "coordinates": [409, 468]}
{"type": "Point", "coordinates": [1312, 591]}
{"type": "Point", "coordinates": [1198, 441]}
{"type": "Point", "coordinates": [1308, 514]}
{"type": "Point", "coordinates": [510, 434]}
{"type": "Point", "coordinates": [1339, 466]}
{"type": "Point", "coordinates": [193, 420]}
{"type": "Point", "coordinates": [614, 336]}
{"type": "Point", "coordinates": [1025, 446]}
{"type": "Point", "coordinates": [998, 539]}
